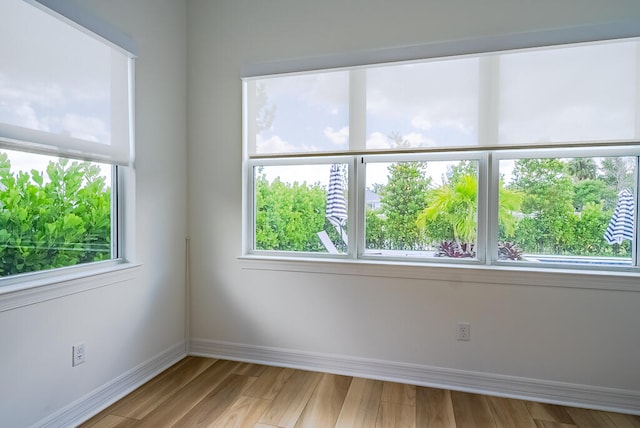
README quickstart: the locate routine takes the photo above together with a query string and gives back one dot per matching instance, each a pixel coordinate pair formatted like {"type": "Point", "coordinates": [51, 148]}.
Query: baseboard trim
{"type": "Point", "coordinates": [568, 394]}
{"type": "Point", "coordinates": [102, 397]}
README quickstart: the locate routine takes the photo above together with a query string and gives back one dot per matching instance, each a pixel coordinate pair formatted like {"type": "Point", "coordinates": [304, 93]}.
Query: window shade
{"type": "Point", "coordinates": [62, 91]}
{"type": "Point", "coordinates": [586, 93]}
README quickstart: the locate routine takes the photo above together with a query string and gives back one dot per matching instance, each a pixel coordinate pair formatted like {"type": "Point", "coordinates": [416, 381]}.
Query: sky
{"type": "Point", "coordinates": [21, 161]}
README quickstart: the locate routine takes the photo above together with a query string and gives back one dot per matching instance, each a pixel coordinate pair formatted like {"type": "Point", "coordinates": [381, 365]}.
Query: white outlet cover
{"type": "Point", "coordinates": [78, 354]}
{"type": "Point", "coordinates": [464, 331]}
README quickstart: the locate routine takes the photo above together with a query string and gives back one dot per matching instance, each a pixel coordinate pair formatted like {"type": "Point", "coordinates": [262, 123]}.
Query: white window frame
{"type": "Point", "coordinates": [33, 287]}
{"type": "Point", "coordinates": [502, 272]}
{"type": "Point", "coordinates": [479, 156]}
{"type": "Point", "coordinates": [631, 151]}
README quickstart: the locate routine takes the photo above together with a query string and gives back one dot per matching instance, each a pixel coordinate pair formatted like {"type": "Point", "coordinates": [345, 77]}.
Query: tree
{"type": "Point", "coordinates": [547, 205]}
{"type": "Point", "coordinates": [402, 200]}
{"type": "Point", "coordinates": [375, 230]}
{"type": "Point", "coordinates": [265, 113]}
{"type": "Point", "coordinates": [595, 192]}
{"type": "Point", "coordinates": [582, 168]}
{"type": "Point", "coordinates": [289, 216]}
{"type": "Point", "coordinates": [61, 219]}
{"type": "Point", "coordinates": [618, 172]}
{"type": "Point", "coordinates": [456, 204]}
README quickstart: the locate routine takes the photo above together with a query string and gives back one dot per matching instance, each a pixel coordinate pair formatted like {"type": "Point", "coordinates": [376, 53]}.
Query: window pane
{"type": "Point", "coordinates": [53, 212]}
{"type": "Point", "coordinates": [432, 104]}
{"type": "Point", "coordinates": [301, 208]}
{"type": "Point", "coordinates": [583, 93]}
{"type": "Point", "coordinates": [567, 210]}
{"type": "Point", "coordinates": [422, 209]}
{"type": "Point", "coordinates": [301, 114]}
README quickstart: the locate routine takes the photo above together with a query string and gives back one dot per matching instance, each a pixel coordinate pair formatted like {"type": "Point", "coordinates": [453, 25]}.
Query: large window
{"type": "Point", "coordinates": [518, 158]}
{"type": "Point", "coordinates": [65, 130]}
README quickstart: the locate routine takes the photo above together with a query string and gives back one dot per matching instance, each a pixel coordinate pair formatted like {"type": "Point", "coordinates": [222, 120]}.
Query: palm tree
{"type": "Point", "coordinates": [582, 168]}
{"type": "Point", "coordinates": [456, 203]}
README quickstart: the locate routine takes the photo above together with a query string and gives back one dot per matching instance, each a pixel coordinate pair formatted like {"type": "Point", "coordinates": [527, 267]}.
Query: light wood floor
{"type": "Point", "coordinates": [217, 393]}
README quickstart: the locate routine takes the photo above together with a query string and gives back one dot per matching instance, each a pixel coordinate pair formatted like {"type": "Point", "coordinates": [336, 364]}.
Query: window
{"type": "Point", "coordinates": [521, 158]}
{"type": "Point", "coordinates": [65, 137]}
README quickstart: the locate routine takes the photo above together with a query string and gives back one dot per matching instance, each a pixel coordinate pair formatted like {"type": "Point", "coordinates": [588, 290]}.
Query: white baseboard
{"type": "Point", "coordinates": [102, 397]}
{"type": "Point", "coordinates": [568, 394]}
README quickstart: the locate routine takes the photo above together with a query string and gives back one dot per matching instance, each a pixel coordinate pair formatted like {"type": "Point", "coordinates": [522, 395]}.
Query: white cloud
{"type": "Point", "coordinates": [377, 140]}
{"type": "Point", "coordinates": [421, 121]}
{"type": "Point", "coordinates": [85, 128]}
{"type": "Point", "coordinates": [275, 144]}
{"type": "Point", "coordinates": [415, 139]}
{"type": "Point", "coordinates": [339, 137]}
{"type": "Point", "coordinates": [272, 144]}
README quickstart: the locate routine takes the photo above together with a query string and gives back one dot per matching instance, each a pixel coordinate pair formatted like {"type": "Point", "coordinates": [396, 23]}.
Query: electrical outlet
{"type": "Point", "coordinates": [464, 331]}
{"type": "Point", "coordinates": [78, 354]}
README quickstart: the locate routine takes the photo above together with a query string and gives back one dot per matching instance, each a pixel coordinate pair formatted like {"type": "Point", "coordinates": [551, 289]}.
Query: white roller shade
{"type": "Point", "coordinates": [62, 90]}
{"type": "Point", "coordinates": [575, 94]}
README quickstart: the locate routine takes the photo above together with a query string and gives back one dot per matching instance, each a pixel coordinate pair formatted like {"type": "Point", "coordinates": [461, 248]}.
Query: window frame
{"type": "Point", "coordinates": [596, 151]}
{"type": "Point", "coordinates": [487, 213]}
{"type": "Point", "coordinates": [481, 233]}
{"type": "Point", "coordinates": [33, 287]}
{"type": "Point", "coordinates": [250, 218]}
{"type": "Point", "coordinates": [488, 178]}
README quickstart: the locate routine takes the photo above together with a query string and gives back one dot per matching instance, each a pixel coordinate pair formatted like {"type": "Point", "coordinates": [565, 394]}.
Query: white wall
{"type": "Point", "coordinates": [587, 337]}
{"type": "Point", "coordinates": [125, 324]}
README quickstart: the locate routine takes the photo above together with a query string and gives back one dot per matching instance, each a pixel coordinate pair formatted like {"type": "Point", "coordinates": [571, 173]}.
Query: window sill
{"type": "Point", "coordinates": [40, 287]}
{"type": "Point", "coordinates": [481, 274]}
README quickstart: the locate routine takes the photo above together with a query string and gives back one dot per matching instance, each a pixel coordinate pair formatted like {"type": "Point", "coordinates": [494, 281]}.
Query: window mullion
{"type": "Point", "coordinates": [357, 142]}
{"type": "Point", "coordinates": [635, 243]}
{"type": "Point", "coordinates": [357, 184]}
{"type": "Point", "coordinates": [491, 209]}
{"type": "Point", "coordinates": [357, 109]}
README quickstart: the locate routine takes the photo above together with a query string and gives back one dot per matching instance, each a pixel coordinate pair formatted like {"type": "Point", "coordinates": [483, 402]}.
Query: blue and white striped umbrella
{"type": "Point", "coordinates": [621, 224]}
{"type": "Point", "coordinates": [336, 211]}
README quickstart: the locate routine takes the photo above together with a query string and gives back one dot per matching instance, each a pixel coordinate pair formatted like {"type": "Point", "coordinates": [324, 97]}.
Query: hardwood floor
{"type": "Point", "coordinates": [202, 392]}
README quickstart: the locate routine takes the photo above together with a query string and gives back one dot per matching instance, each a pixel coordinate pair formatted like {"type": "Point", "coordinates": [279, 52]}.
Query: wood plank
{"type": "Point", "coordinates": [216, 402]}
{"type": "Point", "coordinates": [180, 403]}
{"type": "Point", "coordinates": [434, 408]}
{"type": "Point", "coordinates": [585, 418]}
{"type": "Point", "coordinates": [244, 413]}
{"type": "Point", "coordinates": [508, 413]}
{"type": "Point", "coordinates": [360, 407]}
{"type": "Point", "coordinates": [269, 383]}
{"type": "Point", "coordinates": [549, 412]}
{"type": "Point", "coordinates": [550, 424]}
{"type": "Point", "coordinates": [288, 405]}
{"type": "Point", "coordinates": [471, 410]}
{"type": "Point", "coordinates": [398, 393]}
{"type": "Point", "coordinates": [151, 395]}
{"type": "Point", "coordinates": [111, 421]}
{"type": "Point", "coordinates": [109, 410]}
{"type": "Point", "coordinates": [623, 420]}
{"type": "Point", "coordinates": [395, 415]}
{"type": "Point", "coordinates": [325, 404]}
{"type": "Point", "coordinates": [250, 369]}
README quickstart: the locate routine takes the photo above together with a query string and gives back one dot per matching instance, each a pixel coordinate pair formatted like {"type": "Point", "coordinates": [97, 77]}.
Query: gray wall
{"type": "Point", "coordinates": [125, 324]}
{"type": "Point", "coordinates": [545, 333]}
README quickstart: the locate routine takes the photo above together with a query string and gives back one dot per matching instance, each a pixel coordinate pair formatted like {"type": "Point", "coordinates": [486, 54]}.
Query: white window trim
{"type": "Point", "coordinates": [30, 288]}
{"type": "Point", "coordinates": [492, 271]}
{"type": "Point", "coordinates": [487, 221]}
{"type": "Point", "coordinates": [49, 285]}
{"type": "Point", "coordinates": [487, 44]}
{"type": "Point", "coordinates": [34, 287]}
{"type": "Point", "coordinates": [450, 273]}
